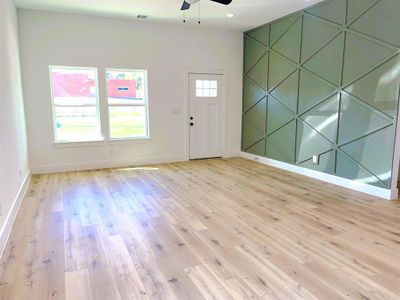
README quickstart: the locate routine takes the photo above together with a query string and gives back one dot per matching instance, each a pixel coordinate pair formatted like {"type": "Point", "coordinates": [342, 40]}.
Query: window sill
{"type": "Point", "coordinates": [138, 140]}
{"type": "Point", "coordinates": [78, 144]}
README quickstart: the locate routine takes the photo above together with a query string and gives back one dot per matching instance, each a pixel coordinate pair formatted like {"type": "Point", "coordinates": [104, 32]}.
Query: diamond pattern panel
{"type": "Point", "coordinates": [337, 97]}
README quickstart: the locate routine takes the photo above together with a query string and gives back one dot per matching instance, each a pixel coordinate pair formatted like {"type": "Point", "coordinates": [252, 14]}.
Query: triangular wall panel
{"type": "Point", "coordinates": [356, 7]}
{"type": "Point", "coordinates": [327, 63]}
{"type": "Point", "coordinates": [252, 93]}
{"type": "Point", "coordinates": [253, 51]}
{"type": "Point", "coordinates": [277, 116]}
{"type": "Point", "coordinates": [378, 89]}
{"type": "Point", "coordinates": [259, 72]}
{"type": "Point", "coordinates": [358, 119]}
{"type": "Point", "coordinates": [280, 68]}
{"type": "Point", "coordinates": [260, 34]}
{"type": "Point", "coordinates": [285, 139]}
{"type": "Point", "coordinates": [286, 92]}
{"type": "Point", "coordinates": [316, 34]}
{"type": "Point", "coordinates": [258, 114]}
{"type": "Point", "coordinates": [361, 55]}
{"type": "Point", "coordinates": [279, 27]}
{"type": "Point", "coordinates": [258, 148]}
{"type": "Point", "coordinates": [289, 44]}
{"type": "Point", "coordinates": [331, 10]}
{"type": "Point", "coordinates": [312, 91]}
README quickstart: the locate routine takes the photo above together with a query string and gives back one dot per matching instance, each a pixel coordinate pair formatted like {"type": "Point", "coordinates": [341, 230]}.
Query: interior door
{"type": "Point", "coordinates": [205, 115]}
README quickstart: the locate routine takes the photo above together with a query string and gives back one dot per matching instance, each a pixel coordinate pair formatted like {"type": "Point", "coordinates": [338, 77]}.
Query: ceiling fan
{"type": "Point", "coordinates": [186, 3]}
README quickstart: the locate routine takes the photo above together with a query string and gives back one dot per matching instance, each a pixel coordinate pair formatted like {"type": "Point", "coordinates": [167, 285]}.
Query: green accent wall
{"type": "Point", "coordinates": [325, 81]}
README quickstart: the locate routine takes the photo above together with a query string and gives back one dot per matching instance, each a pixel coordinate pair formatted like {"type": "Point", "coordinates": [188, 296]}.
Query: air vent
{"type": "Point", "coordinates": [142, 17]}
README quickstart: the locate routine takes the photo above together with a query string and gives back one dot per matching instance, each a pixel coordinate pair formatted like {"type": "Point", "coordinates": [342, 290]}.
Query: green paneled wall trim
{"type": "Point", "coordinates": [325, 81]}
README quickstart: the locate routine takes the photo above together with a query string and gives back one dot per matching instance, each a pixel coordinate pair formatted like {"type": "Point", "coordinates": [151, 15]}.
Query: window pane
{"type": "Point", "coordinates": [126, 87]}
{"type": "Point", "coordinates": [77, 123]}
{"type": "Point", "coordinates": [199, 84]}
{"type": "Point", "coordinates": [206, 93]}
{"type": "Point", "coordinates": [213, 93]}
{"type": "Point", "coordinates": [73, 86]}
{"type": "Point", "coordinates": [199, 92]}
{"type": "Point", "coordinates": [128, 121]}
{"type": "Point", "coordinates": [214, 84]}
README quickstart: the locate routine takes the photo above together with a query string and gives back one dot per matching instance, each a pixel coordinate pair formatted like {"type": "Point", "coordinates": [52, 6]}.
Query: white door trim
{"type": "Point", "coordinates": [186, 114]}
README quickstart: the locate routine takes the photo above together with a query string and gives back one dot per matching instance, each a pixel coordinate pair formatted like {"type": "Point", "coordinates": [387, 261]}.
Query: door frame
{"type": "Point", "coordinates": [186, 105]}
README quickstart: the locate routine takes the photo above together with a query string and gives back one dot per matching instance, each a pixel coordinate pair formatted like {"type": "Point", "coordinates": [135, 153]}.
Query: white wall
{"type": "Point", "coordinates": [13, 144]}
{"type": "Point", "coordinates": [166, 51]}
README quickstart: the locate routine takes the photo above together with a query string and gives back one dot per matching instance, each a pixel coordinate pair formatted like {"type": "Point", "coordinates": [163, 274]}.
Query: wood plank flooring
{"type": "Point", "coordinates": [212, 229]}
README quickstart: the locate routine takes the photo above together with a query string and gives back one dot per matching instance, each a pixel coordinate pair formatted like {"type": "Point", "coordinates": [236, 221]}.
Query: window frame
{"type": "Point", "coordinates": [58, 141]}
{"type": "Point", "coordinates": [145, 105]}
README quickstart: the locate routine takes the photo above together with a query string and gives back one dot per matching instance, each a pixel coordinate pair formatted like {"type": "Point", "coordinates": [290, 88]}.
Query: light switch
{"type": "Point", "coordinates": [315, 159]}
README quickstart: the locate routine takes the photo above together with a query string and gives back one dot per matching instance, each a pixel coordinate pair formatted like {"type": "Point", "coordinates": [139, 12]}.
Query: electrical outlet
{"type": "Point", "coordinates": [315, 159]}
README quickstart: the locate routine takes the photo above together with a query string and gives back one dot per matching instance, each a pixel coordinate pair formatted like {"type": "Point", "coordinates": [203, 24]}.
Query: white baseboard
{"type": "Point", "coordinates": [343, 182]}
{"type": "Point", "coordinates": [231, 153]}
{"type": "Point", "coordinates": [116, 163]}
{"type": "Point", "coordinates": [12, 213]}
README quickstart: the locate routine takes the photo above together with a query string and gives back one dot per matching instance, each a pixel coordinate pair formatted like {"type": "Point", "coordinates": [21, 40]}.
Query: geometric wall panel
{"type": "Point", "coordinates": [333, 10]}
{"type": "Point", "coordinates": [253, 51]}
{"type": "Point", "coordinates": [258, 148]}
{"type": "Point", "coordinates": [310, 142]}
{"type": "Point", "coordinates": [277, 115]}
{"type": "Point", "coordinates": [279, 69]}
{"type": "Point", "coordinates": [273, 152]}
{"type": "Point", "coordinates": [326, 81]}
{"type": "Point", "coordinates": [285, 139]}
{"type": "Point", "coordinates": [251, 134]}
{"type": "Point", "coordinates": [312, 91]}
{"type": "Point", "coordinates": [379, 88]}
{"type": "Point", "coordinates": [260, 34]}
{"type": "Point", "coordinates": [327, 63]}
{"type": "Point", "coordinates": [356, 7]}
{"type": "Point", "coordinates": [258, 114]}
{"type": "Point", "coordinates": [315, 35]}
{"type": "Point", "coordinates": [357, 119]}
{"type": "Point", "coordinates": [348, 168]}
{"type": "Point", "coordinates": [324, 117]}
{"type": "Point", "coordinates": [289, 44]}
{"type": "Point", "coordinates": [287, 91]}
{"type": "Point", "coordinates": [364, 151]}
{"type": "Point", "coordinates": [278, 28]}
{"type": "Point", "coordinates": [361, 55]}
{"type": "Point", "coordinates": [382, 22]}
{"type": "Point", "coordinates": [326, 163]}
{"type": "Point", "coordinates": [251, 94]}
{"type": "Point", "coordinates": [258, 73]}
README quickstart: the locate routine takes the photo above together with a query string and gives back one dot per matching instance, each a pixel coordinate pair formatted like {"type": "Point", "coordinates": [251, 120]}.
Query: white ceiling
{"type": "Point", "coordinates": [248, 13]}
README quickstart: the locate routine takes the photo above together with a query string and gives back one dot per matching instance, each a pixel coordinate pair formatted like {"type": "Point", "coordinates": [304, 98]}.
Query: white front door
{"type": "Point", "coordinates": [205, 115]}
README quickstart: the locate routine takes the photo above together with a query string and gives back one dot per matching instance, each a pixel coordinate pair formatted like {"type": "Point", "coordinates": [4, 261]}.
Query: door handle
{"type": "Point", "coordinates": [191, 124]}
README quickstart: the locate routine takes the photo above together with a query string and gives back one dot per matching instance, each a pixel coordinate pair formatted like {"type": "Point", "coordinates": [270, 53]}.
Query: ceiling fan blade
{"type": "Point", "coordinates": [185, 6]}
{"type": "Point", "coordinates": [225, 2]}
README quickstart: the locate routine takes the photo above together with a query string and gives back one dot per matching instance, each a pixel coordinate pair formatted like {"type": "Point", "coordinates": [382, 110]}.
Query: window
{"type": "Point", "coordinates": [207, 88]}
{"type": "Point", "coordinates": [75, 104]}
{"type": "Point", "coordinates": [127, 103]}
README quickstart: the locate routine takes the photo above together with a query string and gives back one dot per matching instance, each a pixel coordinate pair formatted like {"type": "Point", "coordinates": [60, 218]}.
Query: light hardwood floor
{"type": "Point", "coordinates": [212, 229]}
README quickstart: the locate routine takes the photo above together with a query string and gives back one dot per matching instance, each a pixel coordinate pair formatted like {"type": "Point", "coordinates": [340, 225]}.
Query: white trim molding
{"type": "Point", "coordinates": [12, 213]}
{"type": "Point", "coordinates": [343, 182]}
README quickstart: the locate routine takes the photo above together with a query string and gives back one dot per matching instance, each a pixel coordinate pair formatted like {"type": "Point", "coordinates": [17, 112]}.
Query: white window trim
{"type": "Point", "coordinates": [133, 139]}
{"type": "Point", "coordinates": [64, 143]}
